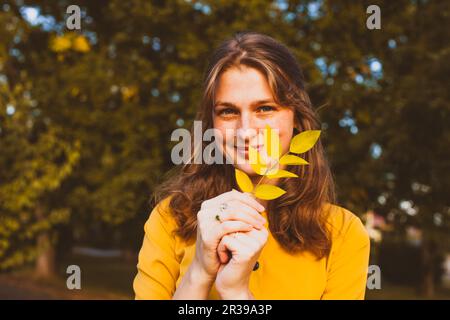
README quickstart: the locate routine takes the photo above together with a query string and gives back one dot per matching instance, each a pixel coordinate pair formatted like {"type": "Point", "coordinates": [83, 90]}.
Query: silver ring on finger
{"type": "Point", "coordinates": [223, 206]}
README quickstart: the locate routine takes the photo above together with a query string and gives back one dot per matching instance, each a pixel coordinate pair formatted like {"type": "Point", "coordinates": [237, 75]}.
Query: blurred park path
{"type": "Point", "coordinates": [18, 287]}
{"type": "Point", "coordinates": [11, 291]}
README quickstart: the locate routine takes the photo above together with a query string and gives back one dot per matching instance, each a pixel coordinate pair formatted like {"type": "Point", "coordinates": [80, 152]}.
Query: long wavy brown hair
{"type": "Point", "coordinates": [298, 219]}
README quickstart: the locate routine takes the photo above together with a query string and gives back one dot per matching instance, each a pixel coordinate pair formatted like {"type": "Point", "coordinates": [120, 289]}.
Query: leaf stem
{"type": "Point", "coordinates": [268, 169]}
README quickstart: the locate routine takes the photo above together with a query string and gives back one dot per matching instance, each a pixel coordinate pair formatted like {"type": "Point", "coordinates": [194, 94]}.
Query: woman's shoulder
{"type": "Point", "coordinates": [161, 216]}
{"type": "Point", "coordinates": [344, 223]}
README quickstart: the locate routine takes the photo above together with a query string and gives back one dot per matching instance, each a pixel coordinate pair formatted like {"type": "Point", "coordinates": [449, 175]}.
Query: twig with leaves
{"type": "Point", "coordinates": [299, 144]}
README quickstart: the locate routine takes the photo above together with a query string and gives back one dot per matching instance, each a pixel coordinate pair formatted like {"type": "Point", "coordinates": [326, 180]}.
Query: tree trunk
{"type": "Point", "coordinates": [427, 280]}
{"type": "Point", "coordinates": [45, 263]}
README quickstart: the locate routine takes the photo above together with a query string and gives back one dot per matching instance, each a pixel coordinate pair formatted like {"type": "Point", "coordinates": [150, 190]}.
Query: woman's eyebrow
{"type": "Point", "coordinates": [232, 105]}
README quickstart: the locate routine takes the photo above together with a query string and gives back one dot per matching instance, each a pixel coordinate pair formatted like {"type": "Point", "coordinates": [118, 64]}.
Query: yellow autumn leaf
{"type": "Point", "coordinates": [272, 143]}
{"type": "Point", "coordinates": [268, 192]}
{"type": "Point", "coordinates": [259, 165]}
{"type": "Point", "coordinates": [256, 162]}
{"type": "Point", "coordinates": [282, 174]}
{"type": "Point", "coordinates": [254, 157]}
{"type": "Point", "coordinates": [304, 141]}
{"type": "Point", "coordinates": [259, 169]}
{"type": "Point", "coordinates": [290, 159]}
{"type": "Point", "coordinates": [74, 91]}
{"type": "Point", "coordinates": [81, 44]}
{"type": "Point", "coordinates": [60, 44]}
{"type": "Point", "coordinates": [243, 181]}
{"type": "Point", "coordinates": [129, 92]}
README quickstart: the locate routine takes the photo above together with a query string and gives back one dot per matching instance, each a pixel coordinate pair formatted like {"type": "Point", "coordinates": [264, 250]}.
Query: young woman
{"type": "Point", "coordinates": [206, 240]}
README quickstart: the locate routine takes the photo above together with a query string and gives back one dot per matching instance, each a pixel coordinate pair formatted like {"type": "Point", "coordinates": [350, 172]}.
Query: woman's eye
{"type": "Point", "coordinates": [265, 109]}
{"type": "Point", "coordinates": [226, 112]}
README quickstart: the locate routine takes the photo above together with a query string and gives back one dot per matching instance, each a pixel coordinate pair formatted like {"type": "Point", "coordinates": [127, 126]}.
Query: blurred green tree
{"type": "Point", "coordinates": [34, 161]}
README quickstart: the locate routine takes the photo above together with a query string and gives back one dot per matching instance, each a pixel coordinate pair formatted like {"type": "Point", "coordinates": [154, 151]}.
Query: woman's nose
{"type": "Point", "coordinates": [246, 130]}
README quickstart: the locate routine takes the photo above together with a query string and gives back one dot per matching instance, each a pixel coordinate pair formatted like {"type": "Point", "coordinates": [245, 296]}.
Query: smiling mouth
{"type": "Point", "coordinates": [244, 150]}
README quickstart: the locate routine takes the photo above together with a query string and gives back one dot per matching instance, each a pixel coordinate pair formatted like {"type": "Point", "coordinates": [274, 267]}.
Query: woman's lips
{"type": "Point", "coordinates": [244, 150]}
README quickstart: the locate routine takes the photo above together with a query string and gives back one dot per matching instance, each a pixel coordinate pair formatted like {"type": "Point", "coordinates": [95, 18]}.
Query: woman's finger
{"type": "Point", "coordinates": [260, 236]}
{"type": "Point", "coordinates": [228, 243]}
{"type": "Point", "coordinates": [238, 244]}
{"type": "Point", "coordinates": [243, 197]}
{"type": "Point", "coordinates": [226, 227]}
{"type": "Point", "coordinates": [250, 243]}
{"type": "Point", "coordinates": [223, 253]}
{"type": "Point", "coordinates": [240, 211]}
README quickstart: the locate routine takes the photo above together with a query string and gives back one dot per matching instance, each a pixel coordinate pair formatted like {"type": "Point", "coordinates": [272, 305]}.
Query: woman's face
{"type": "Point", "coordinates": [243, 107]}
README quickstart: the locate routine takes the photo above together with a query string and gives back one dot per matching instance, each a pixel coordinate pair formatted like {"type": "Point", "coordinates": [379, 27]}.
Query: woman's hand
{"type": "Point", "coordinates": [233, 278]}
{"type": "Point", "coordinates": [237, 212]}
